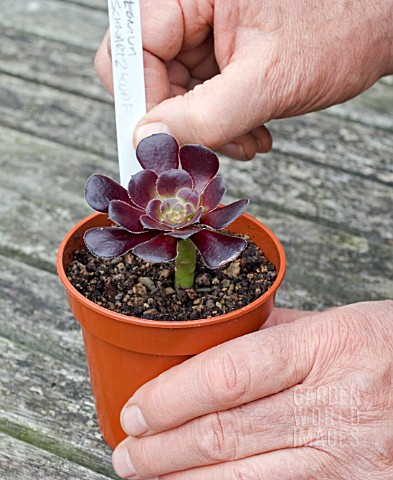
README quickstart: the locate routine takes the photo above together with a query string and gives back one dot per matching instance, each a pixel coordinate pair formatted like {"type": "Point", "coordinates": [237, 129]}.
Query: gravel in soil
{"type": "Point", "coordinates": [131, 286]}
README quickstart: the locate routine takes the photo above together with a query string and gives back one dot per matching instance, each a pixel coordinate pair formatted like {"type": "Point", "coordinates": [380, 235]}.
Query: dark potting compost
{"type": "Point", "coordinates": [133, 287]}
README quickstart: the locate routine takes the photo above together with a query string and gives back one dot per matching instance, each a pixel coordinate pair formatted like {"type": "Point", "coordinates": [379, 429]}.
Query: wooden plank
{"type": "Point", "coordinates": [22, 461]}
{"type": "Point", "coordinates": [325, 195]}
{"type": "Point", "coordinates": [372, 108]}
{"type": "Point", "coordinates": [96, 4]}
{"type": "Point", "coordinates": [59, 116]}
{"type": "Point", "coordinates": [35, 313]}
{"type": "Point", "coordinates": [327, 266]}
{"type": "Point", "coordinates": [337, 143]}
{"type": "Point", "coordinates": [39, 187]}
{"type": "Point", "coordinates": [49, 404]}
{"type": "Point", "coordinates": [62, 21]}
{"type": "Point", "coordinates": [43, 60]}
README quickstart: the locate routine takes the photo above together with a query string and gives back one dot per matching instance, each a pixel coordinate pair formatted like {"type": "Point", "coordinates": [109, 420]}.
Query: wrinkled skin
{"type": "Point", "coordinates": [268, 59]}
{"type": "Point", "coordinates": [321, 382]}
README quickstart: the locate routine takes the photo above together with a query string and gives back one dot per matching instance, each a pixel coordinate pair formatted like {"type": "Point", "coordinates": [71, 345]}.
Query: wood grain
{"type": "Point", "coordinates": [66, 67]}
{"type": "Point", "coordinates": [24, 461]}
{"type": "Point", "coordinates": [66, 22]}
{"type": "Point", "coordinates": [49, 404]}
{"type": "Point", "coordinates": [326, 190]}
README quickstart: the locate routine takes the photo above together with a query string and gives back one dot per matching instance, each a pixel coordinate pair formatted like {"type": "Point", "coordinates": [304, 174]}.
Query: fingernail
{"type": "Point", "coordinates": [260, 145]}
{"type": "Point", "coordinates": [149, 129]}
{"type": "Point", "coordinates": [133, 421]}
{"type": "Point", "coordinates": [234, 150]}
{"type": "Point", "coordinates": [122, 463]}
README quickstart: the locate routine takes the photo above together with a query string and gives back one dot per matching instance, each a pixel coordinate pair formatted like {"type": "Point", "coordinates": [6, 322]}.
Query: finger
{"type": "Point", "coordinates": [254, 428]}
{"type": "Point", "coordinates": [290, 464]}
{"type": "Point", "coordinates": [223, 377]}
{"type": "Point", "coordinates": [162, 28]}
{"type": "Point", "coordinates": [241, 148]}
{"type": "Point", "coordinates": [207, 68]}
{"type": "Point", "coordinates": [103, 64]}
{"type": "Point", "coordinates": [285, 315]}
{"type": "Point", "coordinates": [191, 58]}
{"type": "Point", "coordinates": [178, 74]}
{"type": "Point", "coordinates": [157, 85]}
{"type": "Point", "coordinates": [213, 113]}
{"type": "Point", "coordinates": [247, 146]}
{"type": "Point", "coordinates": [264, 139]}
{"type": "Point", "coordinates": [169, 26]}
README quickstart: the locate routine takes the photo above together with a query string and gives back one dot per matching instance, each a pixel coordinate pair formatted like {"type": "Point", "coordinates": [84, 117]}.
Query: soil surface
{"type": "Point", "coordinates": [131, 286]}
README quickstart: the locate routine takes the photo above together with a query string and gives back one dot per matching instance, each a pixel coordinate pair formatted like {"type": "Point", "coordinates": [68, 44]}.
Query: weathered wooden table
{"type": "Point", "coordinates": [326, 190]}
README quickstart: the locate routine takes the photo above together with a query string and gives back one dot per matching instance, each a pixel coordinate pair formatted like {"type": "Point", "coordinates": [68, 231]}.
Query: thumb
{"type": "Point", "coordinates": [213, 113]}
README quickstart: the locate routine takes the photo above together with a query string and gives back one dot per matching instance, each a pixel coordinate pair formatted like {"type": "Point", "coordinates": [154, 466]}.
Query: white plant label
{"type": "Point", "coordinates": [128, 80]}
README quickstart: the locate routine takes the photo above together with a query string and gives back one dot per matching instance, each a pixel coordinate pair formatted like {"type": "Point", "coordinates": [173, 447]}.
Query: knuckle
{"type": "Point", "coordinates": [228, 379]}
{"type": "Point", "coordinates": [372, 395]}
{"type": "Point", "coordinates": [384, 453]}
{"type": "Point", "coordinates": [244, 470]}
{"type": "Point", "coordinates": [215, 442]}
{"type": "Point", "coordinates": [293, 353]}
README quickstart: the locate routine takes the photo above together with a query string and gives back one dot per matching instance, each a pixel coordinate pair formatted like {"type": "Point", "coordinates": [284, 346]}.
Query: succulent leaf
{"type": "Point", "coordinates": [111, 242]}
{"type": "Point", "coordinates": [161, 248]}
{"type": "Point", "coordinates": [170, 182]}
{"type": "Point", "coordinates": [142, 187]}
{"type": "Point", "coordinates": [216, 249]}
{"type": "Point", "coordinates": [213, 194]}
{"type": "Point", "coordinates": [100, 190]}
{"type": "Point", "coordinates": [125, 216]}
{"type": "Point", "coordinates": [152, 224]}
{"type": "Point", "coordinates": [188, 196]}
{"type": "Point", "coordinates": [175, 213]}
{"type": "Point", "coordinates": [183, 232]}
{"type": "Point", "coordinates": [158, 153]}
{"type": "Point", "coordinates": [195, 218]}
{"type": "Point", "coordinates": [153, 209]}
{"type": "Point", "coordinates": [224, 216]}
{"type": "Point", "coordinates": [200, 162]}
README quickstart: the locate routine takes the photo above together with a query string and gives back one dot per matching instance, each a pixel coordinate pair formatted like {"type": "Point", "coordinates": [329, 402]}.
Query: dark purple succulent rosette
{"type": "Point", "coordinates": [176, 196]}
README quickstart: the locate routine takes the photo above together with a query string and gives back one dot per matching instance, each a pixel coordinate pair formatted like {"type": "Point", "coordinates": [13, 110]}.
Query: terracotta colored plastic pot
{"type": "Point", "coordinates": [125, 352]}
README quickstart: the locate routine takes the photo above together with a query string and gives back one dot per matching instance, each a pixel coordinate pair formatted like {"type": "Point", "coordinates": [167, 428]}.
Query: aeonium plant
{"type": "Point", "coordinates": [170, 210]}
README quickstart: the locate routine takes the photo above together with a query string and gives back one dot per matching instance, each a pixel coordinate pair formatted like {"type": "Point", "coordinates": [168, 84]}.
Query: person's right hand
{"type": "Point", "coordinates": [309, 397]}
{"type": "Point", "coordinates": [217, 71]}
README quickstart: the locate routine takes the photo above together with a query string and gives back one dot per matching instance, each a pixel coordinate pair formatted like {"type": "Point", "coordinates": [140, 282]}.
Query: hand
{"type": "Point", "coordinates": [322, 384]}
{"type": "Point", "coordinates": [265, 60]}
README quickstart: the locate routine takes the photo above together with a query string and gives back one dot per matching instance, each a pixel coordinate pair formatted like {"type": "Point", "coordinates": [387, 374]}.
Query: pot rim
{"type": "Point", "coordinates": [170, 323]}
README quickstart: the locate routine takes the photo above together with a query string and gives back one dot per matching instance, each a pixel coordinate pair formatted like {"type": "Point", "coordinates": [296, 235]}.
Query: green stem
{"type": "Point", "coordinates": [185, 264]}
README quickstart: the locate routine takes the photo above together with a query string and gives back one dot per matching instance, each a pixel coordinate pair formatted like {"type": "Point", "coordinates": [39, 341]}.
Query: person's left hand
{"type": "Point", "coordinates": [307, 399]}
